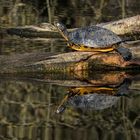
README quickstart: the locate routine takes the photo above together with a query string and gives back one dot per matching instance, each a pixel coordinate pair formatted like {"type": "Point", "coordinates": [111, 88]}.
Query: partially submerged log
{"type": "Point", "coordinates": [128, 28]}
{"type": "Point", "coordinates": [71, 62]}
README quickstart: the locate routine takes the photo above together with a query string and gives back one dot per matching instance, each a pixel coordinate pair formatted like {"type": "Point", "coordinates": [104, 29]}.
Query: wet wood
{"type": "Point", "coordinates": [72, 62]}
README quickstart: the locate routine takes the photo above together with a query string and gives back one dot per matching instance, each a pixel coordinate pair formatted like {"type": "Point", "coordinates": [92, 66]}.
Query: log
{"type": "Point", "coordinates": [128, 28]}
{"type": "Point", "coordinates": [71, 62]}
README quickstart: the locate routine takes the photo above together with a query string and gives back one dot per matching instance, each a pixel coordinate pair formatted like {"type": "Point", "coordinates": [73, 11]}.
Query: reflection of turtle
{"type": "Point", "coordinates": [94, 101]}
{"type": "Point", "coordinates": [94, 38]}
{"type": "Point", "coordinates": [93, 97]}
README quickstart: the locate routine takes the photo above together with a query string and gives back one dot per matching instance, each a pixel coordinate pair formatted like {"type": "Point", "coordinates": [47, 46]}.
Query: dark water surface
{"type": "Point", "coordinates": [96, 106]}
{"type": "Point", "coordinates": [29, 107]}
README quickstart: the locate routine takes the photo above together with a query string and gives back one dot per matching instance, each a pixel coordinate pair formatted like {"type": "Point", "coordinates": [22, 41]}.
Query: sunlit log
{"type": "Point", "coordinates": [128, 28]}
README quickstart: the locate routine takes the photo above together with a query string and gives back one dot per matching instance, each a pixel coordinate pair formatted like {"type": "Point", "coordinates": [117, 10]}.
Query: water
{"type": "Point", "coordinates": [95, 105]}
{"type": "Point", "coordinates": [30, 104]}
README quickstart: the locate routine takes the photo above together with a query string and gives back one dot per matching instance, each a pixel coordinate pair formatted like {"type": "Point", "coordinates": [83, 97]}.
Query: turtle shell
{"type": "Point", "coordinates": [94, 101]}
{"type": "Point", "coordinates": [94, 36]}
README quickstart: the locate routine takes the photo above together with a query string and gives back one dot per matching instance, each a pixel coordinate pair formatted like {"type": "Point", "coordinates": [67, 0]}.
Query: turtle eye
{"type": "Point", "coordinates": [78, 35]}
{"type": "Point", "coordinates": [60, 26]}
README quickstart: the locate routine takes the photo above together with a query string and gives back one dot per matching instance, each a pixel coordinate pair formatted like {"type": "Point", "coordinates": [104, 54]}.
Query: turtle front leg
{"type": "Point", "coordinates": [62, 105]}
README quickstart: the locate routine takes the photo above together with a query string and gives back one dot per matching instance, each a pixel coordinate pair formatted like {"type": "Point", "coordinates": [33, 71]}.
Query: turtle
{"type": "Point", "coordinates": [94, 39]}
{"type": "Point", "coordinates": [96, 97]}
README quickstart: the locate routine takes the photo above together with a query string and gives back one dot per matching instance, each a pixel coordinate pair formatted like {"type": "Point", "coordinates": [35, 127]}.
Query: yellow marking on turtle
{"type": "Point", "coordinates": [90, 49]}
{"type": "Point", "coordinates": [89, 90]}
{"type": "Point", "coordinates": [79, 91]}
{"type": "Point", "coordinates": [65, 37]}
{"type": "Point", "coordinates": [63, 102]}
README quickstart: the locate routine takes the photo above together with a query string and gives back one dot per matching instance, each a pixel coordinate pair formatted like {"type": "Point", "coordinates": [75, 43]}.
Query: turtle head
{"type": "Point", "coordinates": [62, 29]}
{"type": "Point", "coordinates": [60, 109]}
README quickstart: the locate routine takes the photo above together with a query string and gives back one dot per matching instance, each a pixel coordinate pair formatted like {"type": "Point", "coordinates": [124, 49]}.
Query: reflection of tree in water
{"type": "Point", "coordinates": [17, 13]}
{"type": "Point", "coordinates": [72, 13]}
{"type": "Point", "coordinates": [32, 108]}
{"type": "Point", "coordinates": [27, 108]}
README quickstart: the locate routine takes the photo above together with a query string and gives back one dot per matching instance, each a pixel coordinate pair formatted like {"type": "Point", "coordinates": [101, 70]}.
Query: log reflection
{"type": "Point", "coordinates": [94, 104]}
{"type": "Point", "coordinates": [96, 97]}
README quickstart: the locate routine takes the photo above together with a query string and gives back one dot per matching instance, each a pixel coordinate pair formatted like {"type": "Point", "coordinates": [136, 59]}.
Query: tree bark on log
{"type": "Point", "coordinates": [68, 62]}
{"type": "Point", "coordinates": [128, 28]}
